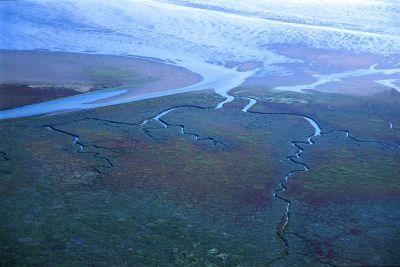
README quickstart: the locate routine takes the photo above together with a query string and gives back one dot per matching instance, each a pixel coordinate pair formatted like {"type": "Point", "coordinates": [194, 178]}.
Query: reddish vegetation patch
{"type": "Point", "coordinates": [355, 232]}
{"type": "Point", "coordinates": [123, 143]}
{"type": "Point", "coordinates": [193, 172]}
{"type": "Point", "coordinates": [354, 86]}
{"type": "Point", "coordinates": [12, 96]}
{"type": "Point", "coordinates": [335, 58]}
{"type": "Point", "coordinates": [344, 174]}
{"type": "Point", "coordinates": [304, 191]}
{"type": "Point", "coordinates": [322, 246]}
{"type": "Point", "coordinates": [259, 197]}
{"type": "Point", "coordinates": [249, 65]}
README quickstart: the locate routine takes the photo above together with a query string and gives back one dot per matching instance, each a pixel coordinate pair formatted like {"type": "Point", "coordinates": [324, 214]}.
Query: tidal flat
{"type": "Point", "coordinates": [28, 77]}
{"type": "Point", "coordinates": [186, 133]}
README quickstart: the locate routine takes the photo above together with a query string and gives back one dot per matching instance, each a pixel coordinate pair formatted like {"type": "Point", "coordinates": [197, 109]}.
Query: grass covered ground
{"type": "Point", "coordinates": [132, 194]}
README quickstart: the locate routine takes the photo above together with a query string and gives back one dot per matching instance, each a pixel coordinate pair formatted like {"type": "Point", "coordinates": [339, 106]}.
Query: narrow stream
{"type": "Point", "coordinates": [293, 159]}
{"type": "Point", "coordinates": [82, 147]}
{"type": "Point", "coordinates": [182, 127]}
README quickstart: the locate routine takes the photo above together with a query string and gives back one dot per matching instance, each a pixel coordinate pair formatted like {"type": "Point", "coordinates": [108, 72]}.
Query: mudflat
{"type": "Point", "coordinates": [28, 77]}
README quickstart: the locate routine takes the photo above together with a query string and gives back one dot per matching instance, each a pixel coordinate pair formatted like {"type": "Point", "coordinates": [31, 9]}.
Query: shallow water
{"type": "Point", "coordinates": [390, 83]}
{"type": "Point", "coordinates": [337, 77]}
{"type": "Point", "coordinates": [202, 36]}
{"type": "Point", "coordinates": [251, 103]}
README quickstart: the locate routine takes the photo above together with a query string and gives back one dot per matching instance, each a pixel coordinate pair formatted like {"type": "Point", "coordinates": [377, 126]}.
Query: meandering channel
{"type": "Point", "coordinates": [182, 127]}
{"type": "Point", "coordinates": [304, 168]}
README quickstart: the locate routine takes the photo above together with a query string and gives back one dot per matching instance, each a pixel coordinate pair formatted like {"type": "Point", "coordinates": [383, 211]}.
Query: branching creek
{"type": "Point", "coordinates": [281, 187]}
{"type": "Point", "coordinates": [294, 159]}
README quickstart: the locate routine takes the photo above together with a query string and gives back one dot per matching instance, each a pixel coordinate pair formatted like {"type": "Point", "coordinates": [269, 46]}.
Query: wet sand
{"type": "Point", "coordinates": [28, 77]}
